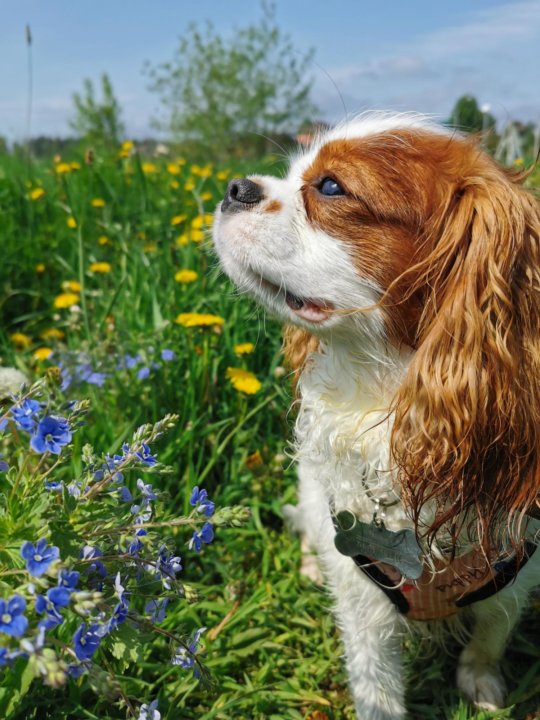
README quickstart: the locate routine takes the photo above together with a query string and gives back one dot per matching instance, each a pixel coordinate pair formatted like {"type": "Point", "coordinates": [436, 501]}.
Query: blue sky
{"type": "Point", "coordinates": [407, 54]}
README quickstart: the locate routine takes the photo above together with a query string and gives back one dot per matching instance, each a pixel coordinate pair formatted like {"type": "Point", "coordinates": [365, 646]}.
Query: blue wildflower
{"type": "Point", "coordinates": [200, 501]}
{"type": "Point", "coordinates": [54, 485]}
{"type": "Point", "coordinates": [92, 553]}
{"type": "Point", "coordinates": [51, 434]}
{"type": "Point", "coordinates": [206, 535]}
{"type": "Point", "coordinates": [50, 606]}
{"type": "Point", "coordinates": [143, 373]}
{"type": "Point", "coordinates": [146, 490]}
{"type": "Point", "coordinates": [75, 670]}
{"type": "Point", "coordinates": [118, 616]}
{"type": "Point", "coordinates": [12, 619]}
{"type": "Point", "coordinates": [167, 566]}
{"type": "Point", "coordinates": [185, 656]}
{"type": "Point", "coordinates": [68, 579]}
{"type": "Point", "coordinates": [39, 557]}
{"type": "Point", "coordinates": [145, 456]}
{"type": "Point", "coordinates": [157, 608]}
{"type": "Point", "coordinates": [130, 361]}
{"type": "Point", "coordinates": [124, 493]}
{"type": "Point", "coordinates": [24, 414]}
{"type": "Point", "coordinates": [149, 712]}
{"type": "Point", "coordinates": [86, 642]}
{"type": "Point", "coordinates": [3, 465]}
{"type": "Point", "coordinates": [167, 355]}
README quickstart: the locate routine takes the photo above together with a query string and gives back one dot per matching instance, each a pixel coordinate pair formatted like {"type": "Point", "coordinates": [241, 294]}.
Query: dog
{"type": "Point", "coordinates": [406, 265]}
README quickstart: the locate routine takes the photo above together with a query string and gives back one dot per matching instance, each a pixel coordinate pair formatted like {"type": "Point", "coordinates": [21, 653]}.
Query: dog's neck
{"type": "Point", "coordinates": [345, 420]}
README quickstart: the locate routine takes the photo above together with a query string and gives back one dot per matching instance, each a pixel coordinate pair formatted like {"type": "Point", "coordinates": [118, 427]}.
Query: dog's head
{"type": "Point", "coordinates": [394, 229]}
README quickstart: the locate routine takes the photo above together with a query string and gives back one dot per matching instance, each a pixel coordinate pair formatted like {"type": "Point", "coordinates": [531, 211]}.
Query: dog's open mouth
{"type": "Point", "coordinates": [315, 311]}
{"type": "Point", "coordinates": [309, 309]}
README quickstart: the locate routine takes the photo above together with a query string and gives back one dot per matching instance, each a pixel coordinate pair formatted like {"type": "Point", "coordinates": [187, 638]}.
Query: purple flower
{"type": "Point", "coordinates": [146, 490]}
{"type": "Point", "coordinates": [51, 434]}
{"type": "Point", "coordinates": [143, 373]}
{"type": "Point", "coordinates": [206, 535]}
{"type": "Point", "coordinates": [96, 378]}
{"type": "Point", "coordinates": [200, 501]}
{"type": "Point", "coordinates": [39, 557]}
{"type": "Point", "coordinates": [131, 360]}
{"type": "Point", "coordinates": [86, 642]}
{"type": "Point", "coordinates": [167, 355]}
{"type": "Point", "coordinates": [24, 413]}
{"type": "Point", "coordinates": [12, 619]}
{"type": "Point", "coordinates": [149, 712]}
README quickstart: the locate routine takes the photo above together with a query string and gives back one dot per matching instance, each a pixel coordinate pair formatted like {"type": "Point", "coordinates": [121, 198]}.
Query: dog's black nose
{"type": "Point", "coordinates": [241, 194]}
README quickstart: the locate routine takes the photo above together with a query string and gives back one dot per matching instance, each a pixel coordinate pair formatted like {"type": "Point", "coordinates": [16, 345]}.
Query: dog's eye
{"type": "Point", "coordinates": [330, 187]}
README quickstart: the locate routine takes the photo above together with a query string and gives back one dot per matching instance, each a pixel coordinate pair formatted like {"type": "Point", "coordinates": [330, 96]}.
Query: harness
{"type": "Point", "coordinates": [441, 589]}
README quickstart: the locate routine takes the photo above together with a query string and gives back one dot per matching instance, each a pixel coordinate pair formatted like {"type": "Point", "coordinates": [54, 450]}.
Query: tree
{"type": "Point", "coordinates": [98, 121]}
{"type": "Point", "coordinates": [467, 116]}
{"type": "Point", "coordinates": [218, 94]}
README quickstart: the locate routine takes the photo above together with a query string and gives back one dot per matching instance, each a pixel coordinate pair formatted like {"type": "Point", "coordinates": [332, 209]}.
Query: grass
{"type": "Point", "coordinates": [271, 647]}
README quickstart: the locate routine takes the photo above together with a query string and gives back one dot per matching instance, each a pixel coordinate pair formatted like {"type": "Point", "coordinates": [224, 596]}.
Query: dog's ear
{"type": "Point", "coordinates": [297, 345]}
{"type": "Point", "coordinates": [467, 417]}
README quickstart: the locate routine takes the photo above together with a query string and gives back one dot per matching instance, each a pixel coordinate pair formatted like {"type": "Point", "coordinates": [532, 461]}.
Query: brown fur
{"type": "Point", "coordinates": [455, 243]}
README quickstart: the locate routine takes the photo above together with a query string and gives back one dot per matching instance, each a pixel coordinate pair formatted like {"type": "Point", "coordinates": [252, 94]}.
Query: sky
{"type": "Point", "coordinates": [416, 55]}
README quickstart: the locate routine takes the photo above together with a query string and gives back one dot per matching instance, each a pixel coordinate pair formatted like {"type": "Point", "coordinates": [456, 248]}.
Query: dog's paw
{"type": "Point", "coordinates": [309, 567]}
{"type": "Point", "coordinates": [480, 681]}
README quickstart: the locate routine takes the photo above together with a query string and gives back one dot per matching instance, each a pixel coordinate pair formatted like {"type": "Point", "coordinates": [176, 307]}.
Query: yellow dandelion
{"type": "Point", "coordinates": [198, 319]}
{"type": "Point", "coordinates": [127, 145]}
{"type": "Point", "coordinates": [173, 168]}
{"type": "Point", "coordinates": [190, 185]}
{"type": "Point", "coordinates": [174, 184]}
{"type": "Point", "coordinates": [202, 172]}
{"type": "Point", "coordinates": [66, 300]}
{"type": "Point", "coordinates": [180, 161]}
{"type": "Point", "coordinates": [71, 222]}
{"type": "Point", "coordinates": [103, 240]}
{"type": "Point", "coordinates": [43, 353]}
{"type": "Point", "coordinates": [223, 174]}
{"type": "Point", "coordinates": [243, 380]}
{"type": "Point", "coordinates": [201, 221]}
{"type": "Point", "coordinates": [244, 348]}
{"type": "Point", "coordinates": [40, 268]}
{"type": "Point", "coordinates": [185, 276]}
{"type": "Point", "coordinates": [178, 219]}
{"type": "Point", "coordinates": [36, 193]}
{"type": "Point", "coordinates": [149, 168]}
{"type": "Point", "coordinates": [73, 286]}
{"type": "Point", "coordinates": [100, 267]}
{"type": "Point", "coordinates": [20, 340]}
{"type": "Point", "coordinates": [75, 165]}
{"type": "Point", "coordinates": [206, 196]}
{"type": "Point", "coordinates": [197, 235]}
{"type": "Point", "coordinates": [62, 167]}
{"type": "Point", "coordinates": [182, 240]}
{"type": "Point", "coordinates": [97, 202]}
{"type": "Point", "coordinates": [52, 334]}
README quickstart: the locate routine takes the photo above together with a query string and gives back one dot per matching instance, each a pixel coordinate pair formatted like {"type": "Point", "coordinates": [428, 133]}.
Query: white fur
{"type": "Point", "coordinates": [344, 426]}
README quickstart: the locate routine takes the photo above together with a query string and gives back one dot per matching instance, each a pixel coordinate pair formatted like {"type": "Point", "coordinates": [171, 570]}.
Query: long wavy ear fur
{"type": "Point", "coordinates": [297, 345]}
{"type": "Point", "coordinates": [467, 417]}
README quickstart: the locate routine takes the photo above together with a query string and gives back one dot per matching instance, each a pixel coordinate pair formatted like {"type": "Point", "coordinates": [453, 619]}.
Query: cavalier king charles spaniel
{"type": "Point", "coordinates": [406, 265]}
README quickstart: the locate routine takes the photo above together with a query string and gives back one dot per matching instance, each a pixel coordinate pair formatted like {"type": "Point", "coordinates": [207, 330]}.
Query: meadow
{"type": "Point", "coordinates": [108, 273]}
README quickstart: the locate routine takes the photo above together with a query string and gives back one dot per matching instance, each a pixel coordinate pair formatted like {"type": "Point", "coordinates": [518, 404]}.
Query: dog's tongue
{"type": "Point", "coordinates": [306, 309]}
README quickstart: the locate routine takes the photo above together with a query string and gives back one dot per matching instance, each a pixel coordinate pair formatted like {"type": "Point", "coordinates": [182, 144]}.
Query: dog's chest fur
{"type": "Point", "coordinates": [343, 430]}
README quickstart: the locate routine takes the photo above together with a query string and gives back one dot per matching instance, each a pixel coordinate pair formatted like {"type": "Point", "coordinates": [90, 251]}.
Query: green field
{"type": "Point", "coordinates": [109, 257]}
